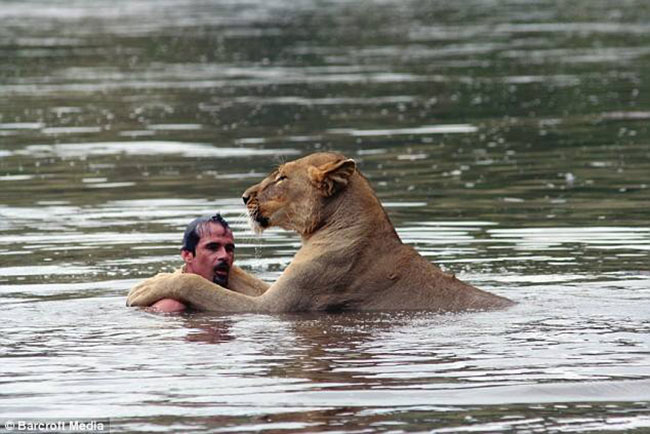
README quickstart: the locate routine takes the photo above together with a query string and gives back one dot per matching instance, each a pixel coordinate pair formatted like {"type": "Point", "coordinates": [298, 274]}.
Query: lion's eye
{"type": "Point", "coordinates": [280, 178]}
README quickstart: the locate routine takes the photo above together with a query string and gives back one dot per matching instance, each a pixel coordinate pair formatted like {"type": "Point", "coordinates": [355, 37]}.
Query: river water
{"type": "Point", "coordinates": [508, 140]}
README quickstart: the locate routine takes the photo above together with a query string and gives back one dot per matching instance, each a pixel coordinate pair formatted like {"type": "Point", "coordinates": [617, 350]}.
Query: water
{"type": "Point", "coordinates": [508, 140]}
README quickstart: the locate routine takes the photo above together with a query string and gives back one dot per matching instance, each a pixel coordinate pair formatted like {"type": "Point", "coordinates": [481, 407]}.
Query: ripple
{"type": "Point", "coordinates": [574, 27]}
{"type": "Point", "coordinates": [45, 270]}
{"type": "Point", "coordinates": [601, 237]}
{"type": "Point", "coordinates": [71, 130]}
{"type": "Point", "coordinates": [333, 101]}
{"type": "Point", "coordinates": [190, 150]}
{"type": "Point", "coordinates": [175, 127]}
{"type": "Point", "coordinates": [277, 78]}
{"type": "Point", "coordinates": [111, 185]}
{"type": "Point", "coordinates": [15, 177]}
{"type": "Point", "coordinates": [429, 129]}
{"type": "Point", "coordinates": [626, 115]}
{"type": "Point", "coordinates": [22, 126]}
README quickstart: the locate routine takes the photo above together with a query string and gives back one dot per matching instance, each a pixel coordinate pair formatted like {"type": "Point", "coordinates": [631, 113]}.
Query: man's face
{"type": "Point", "coordinates": [214, 256]}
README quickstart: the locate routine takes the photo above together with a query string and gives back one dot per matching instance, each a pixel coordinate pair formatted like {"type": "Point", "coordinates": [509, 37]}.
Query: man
{"type": "Point", "coordinates": [209, 251]}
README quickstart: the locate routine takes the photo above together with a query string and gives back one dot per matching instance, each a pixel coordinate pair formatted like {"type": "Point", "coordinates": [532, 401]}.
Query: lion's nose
{"type": "Point", "coordinates": [248, 194]}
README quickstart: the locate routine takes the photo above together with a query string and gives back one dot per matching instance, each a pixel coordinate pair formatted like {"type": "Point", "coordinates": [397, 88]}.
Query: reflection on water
{"type": "Point", "coordinates": [151, 148]}
{"type": "Point", "coordinates": [508, 140]}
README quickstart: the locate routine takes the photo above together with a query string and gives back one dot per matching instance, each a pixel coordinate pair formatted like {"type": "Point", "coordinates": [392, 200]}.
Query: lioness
{"type": "Point", "coordinates": [351, 257]}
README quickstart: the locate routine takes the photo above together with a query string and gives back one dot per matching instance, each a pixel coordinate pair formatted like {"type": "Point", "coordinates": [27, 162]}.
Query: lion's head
{"type": "Point", "coordinates": [295, 194]}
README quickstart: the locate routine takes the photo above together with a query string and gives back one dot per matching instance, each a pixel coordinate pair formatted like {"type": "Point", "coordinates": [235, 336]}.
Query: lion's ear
{"type": "Point", "coordinates": [332, 177]}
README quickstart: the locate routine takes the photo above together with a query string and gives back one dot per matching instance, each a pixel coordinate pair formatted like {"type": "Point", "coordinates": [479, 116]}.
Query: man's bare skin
{"type": "Point", "coordinates": [168, 305]}
{"type": "Point", "coordinates": [209, 252]}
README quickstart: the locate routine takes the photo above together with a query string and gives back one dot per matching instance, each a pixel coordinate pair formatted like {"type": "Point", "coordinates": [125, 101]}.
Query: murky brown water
{"type": "Point", "coordinates": [508, 140]}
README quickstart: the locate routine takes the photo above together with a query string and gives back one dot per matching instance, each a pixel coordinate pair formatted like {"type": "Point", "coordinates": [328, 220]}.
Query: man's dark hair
{"type": "Point", "coordinates": [197, 227]}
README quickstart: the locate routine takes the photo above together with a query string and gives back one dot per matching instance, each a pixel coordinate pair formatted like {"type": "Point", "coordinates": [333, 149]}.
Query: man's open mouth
{"type": "Point", "coordinates": [222, 269]}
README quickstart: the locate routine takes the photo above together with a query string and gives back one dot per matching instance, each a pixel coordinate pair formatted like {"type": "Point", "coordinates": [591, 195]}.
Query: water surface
{"type": "Point", "coordinates": [508, 141]}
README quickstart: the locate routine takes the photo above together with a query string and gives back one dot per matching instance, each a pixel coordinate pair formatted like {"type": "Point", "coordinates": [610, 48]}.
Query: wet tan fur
{"type": "Point", "coordinates": [351, 257]}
